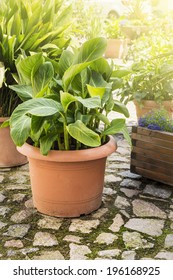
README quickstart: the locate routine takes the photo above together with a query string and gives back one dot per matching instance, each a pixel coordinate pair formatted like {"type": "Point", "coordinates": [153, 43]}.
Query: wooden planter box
{"type": "Point", "coordinates": [152, 154]}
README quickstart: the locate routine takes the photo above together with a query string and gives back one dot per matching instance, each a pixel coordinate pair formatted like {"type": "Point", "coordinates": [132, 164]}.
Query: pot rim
{"type": "Point", "coordinates": [72, 155]}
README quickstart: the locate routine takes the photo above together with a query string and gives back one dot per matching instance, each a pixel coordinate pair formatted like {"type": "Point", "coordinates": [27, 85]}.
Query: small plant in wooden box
{"type": "Point", "coordinates": [152, 147]}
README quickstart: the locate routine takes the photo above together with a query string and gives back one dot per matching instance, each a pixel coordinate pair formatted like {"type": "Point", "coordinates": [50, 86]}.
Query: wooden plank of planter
{"type": "Point", "coordinates": [152, 147]}
{"type": "Point", "coordinates": [165, 157]}
{"type": "Point", "coordinates": [154, 166]}
{"type": "Point", "coordinates": [152, 154]}
{"type": "Point", "coordinates": [153, 175]}
{"type": "Point", "coordinates": [153, 133]}
{"type": "Point", "coordinates": [154, 140]}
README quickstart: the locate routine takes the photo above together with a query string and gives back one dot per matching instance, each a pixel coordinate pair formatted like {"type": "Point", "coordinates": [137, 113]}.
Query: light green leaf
{"type": "Point", "coordinates": [96, 91]}
{"type": "Point", "coordinates": [103, 118]}
{"type": "Point", "coordinates": [20, 122]}
{"type": "Point", "coordinates": [65, 61]}
{"type": "Point", "coordinates": [71, 72]}
{"type": "Point", "coordinates": [115, 127]}
{"type": "Point", "coordinates": [20, 132]}
{"type": "Point", "coordinates": [83, 134]}
{"type": "Point", "coordinates": [121, 108]}
{"type": "Point", "coordinates": [46, 143]}
{"type": "Point", "coordinates": [23, 91]}
{"type": "Point", "coordinates": [66, 99]}
{"type": "Point", "coordinates": [91, 50]}
{"type": "Point", "coordinates": [43, 76]}
{"type": "Point", "coordinates": [125, 132]}
{"type": "Point", "coordinates": [25, 66]}
{"type": "Point", "coordinates": [91, 103]}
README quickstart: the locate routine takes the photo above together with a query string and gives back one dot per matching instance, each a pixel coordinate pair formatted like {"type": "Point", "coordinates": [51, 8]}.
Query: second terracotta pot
{"type": "Point", "coordinates": [148, 105]}
{"type": "Point", "coordinates": [67, 183]}
{"type": "Point", "coordinates": [9, 156]}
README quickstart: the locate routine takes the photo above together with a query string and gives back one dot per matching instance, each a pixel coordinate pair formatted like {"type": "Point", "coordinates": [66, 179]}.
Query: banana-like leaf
{"type": "Point", "coordinates": [21, 131]}
{"type": "Point", "coordinates": [115, 126]}
{"type": "Point", "coordinates": [96, 91]}
{"type": "Point", "coordinates": [121, 108]}
{"type": "Point", "coordinates": [65, 61]}
{"type": "Point", "coordinates": [90, 103]}
{"type": "Point", "coordinates": [43, 76]}
{"type": "Point", "coordinates": [20, 122]}
{"type": "Point", "coordinates": [125, 132]}
{"type": "Point", "coordinates": [23, 91]}
{"type": "Point", "coordinates": [89, 52]}
{"type": "Point", "coordinates": [25, 66]}
{"type": "Point", "coordinates": [84, 135]}
{"type": "Point", "coordinates": [66, 99]}
{"type": "Point", "coordinates": [46, 143]}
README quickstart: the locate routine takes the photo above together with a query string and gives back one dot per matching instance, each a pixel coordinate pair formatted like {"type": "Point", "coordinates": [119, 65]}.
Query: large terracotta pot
{"type": "Point", "coordinates": [116, 48]}
{"type": "Point", "coordinates": [9, 156]}
{"type": "Point", "coordinates": [67, 183]}
{"type": "Point", "coordinates": [148, 105]}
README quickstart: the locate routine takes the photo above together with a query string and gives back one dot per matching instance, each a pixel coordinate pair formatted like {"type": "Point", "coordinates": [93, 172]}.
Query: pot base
{"type": "Point", "coordinates": [71, 209]}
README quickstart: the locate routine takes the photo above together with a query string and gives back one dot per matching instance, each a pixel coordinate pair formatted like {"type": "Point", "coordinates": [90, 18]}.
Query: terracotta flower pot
{"type": "Point", "coordinates": [9, 156]}
{"type": "Point", "coordinates": [147, 105]}
{"type": "Point", "coordinates": [67, 183]}
{"type": "Point", "coordinates": [116, 48]}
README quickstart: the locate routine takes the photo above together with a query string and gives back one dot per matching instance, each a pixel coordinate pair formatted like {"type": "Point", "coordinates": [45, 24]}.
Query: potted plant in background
{"type": "Point", "coordinates": [149, 83]}
{"type": "Point", "coordinates": [152, 147]}
{"type": "Point", "coordinates": [136, 19]}
{"type": "Point", "coordinates": [59, 127]}
{"type": "Point", "coordinates": [25, 27]}
{"type": "Point", "coordinates": [116, 43]}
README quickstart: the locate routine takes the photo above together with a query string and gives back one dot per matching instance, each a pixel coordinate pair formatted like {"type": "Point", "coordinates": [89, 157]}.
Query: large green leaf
{"type": "Point", "coordinates": [43, 76]}
{"type": "Point", "coordinates": [21, 131]}
{"type": "Point", "coordinates": [23, 91]}
{"type": "Point", "coordinates": [71, 72]}
{"type": "Point", "coordinates": [65, 61]}
{"type": "Point", "coordinates": [90, 103]}
{"type": "Point", "coordinates": [83, 134]}
{"type": "Point", "coordinates": [102, 66]}
{"type": "Point", "coordinates": [115, 127]}
{"type": "Point", "coordinates": [90, 51]}
{"type": "Point", "coordinates": [20, 122]}
{"type": "Point", "coordinates": [25, 66]}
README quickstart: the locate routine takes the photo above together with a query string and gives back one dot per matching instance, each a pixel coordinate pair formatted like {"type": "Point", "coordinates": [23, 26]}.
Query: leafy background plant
{"type": "Point", "coordinates": [27, 27]}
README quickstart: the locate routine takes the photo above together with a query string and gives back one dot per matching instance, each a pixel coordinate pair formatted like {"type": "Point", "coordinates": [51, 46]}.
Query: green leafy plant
{"type": "Point", "coordinates": [150, 76]}
{"type": "Point", "coordinates": [112, 28]}
{"type": "Point", "coordinates": [27, 27]}
{"type": "Point", "coordinates": [157, 120]}
{"type": "Point", "coordinates": [67, 109]}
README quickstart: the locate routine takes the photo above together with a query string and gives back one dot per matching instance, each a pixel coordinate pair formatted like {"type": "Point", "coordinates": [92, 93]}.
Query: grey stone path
{"type": "Point", "coordinates": [135, 220]}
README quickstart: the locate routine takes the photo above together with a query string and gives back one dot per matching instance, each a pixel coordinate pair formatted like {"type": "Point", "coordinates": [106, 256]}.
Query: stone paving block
{"type": "Point", "coordinates": [151, 227]}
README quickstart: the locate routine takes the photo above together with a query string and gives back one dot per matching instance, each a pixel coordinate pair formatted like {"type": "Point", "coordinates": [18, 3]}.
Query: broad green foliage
{"type": "Point", "coordinates": [64, 110]}
{"type": "Point", "coordinates": [150, 74]}
{"type": "Point", "coordinates": [28, 27]}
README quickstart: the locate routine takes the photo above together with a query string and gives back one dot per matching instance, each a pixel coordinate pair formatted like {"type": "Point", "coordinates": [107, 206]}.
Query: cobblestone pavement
{"type": "Point", "coordinates": [135, 220]}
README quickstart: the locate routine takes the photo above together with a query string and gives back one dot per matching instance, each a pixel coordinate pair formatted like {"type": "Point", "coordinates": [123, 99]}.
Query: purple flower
{"type": "Point", "coordinates": [154, 126]}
